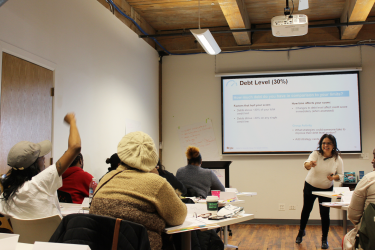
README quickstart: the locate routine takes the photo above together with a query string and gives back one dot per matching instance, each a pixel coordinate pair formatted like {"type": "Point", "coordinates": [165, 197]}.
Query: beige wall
{"type": "Point", "coordinates": [103, 71]}
{"type": "Point", "coordinates": [192, 93]}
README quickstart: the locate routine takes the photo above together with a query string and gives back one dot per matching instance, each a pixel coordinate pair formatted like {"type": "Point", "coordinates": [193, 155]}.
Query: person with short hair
{"type": "Point", "coordinates": [325, 166]}
{"type": "Point", "coordinates": [196, 178]}
{"type": "Point", "coordinates": [76, 181]}
{"type": "Point", "coordinates": [29, 190]}
{"type": "Point", "coordinates": [133, 193]}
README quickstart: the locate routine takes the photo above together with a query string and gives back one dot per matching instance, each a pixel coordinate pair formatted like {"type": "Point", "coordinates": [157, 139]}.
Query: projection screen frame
{"type": "Point", "coordinates": [289, 73]}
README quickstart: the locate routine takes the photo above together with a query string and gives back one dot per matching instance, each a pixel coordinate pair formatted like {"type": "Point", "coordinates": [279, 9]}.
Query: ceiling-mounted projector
{"type": "Point", "coordinates": [289, 25]}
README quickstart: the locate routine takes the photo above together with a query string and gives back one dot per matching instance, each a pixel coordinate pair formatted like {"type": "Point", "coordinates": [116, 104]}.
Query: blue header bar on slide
{"type": "Point", "coordinates": [291, 95]}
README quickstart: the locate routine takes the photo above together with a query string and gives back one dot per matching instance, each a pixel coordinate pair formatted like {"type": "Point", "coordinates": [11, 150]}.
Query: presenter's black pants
{"type": "Point", "coordinates": [308, 203]}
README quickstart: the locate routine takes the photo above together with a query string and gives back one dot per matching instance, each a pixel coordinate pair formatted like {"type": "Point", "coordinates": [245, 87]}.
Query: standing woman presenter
{"type": "Point", "coordinates": [324, 166]}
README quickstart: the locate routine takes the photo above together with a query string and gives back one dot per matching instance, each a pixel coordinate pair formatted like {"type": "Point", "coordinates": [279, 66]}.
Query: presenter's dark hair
{"type": "Point", "coordinates": [335, 150]}
{"type": "Point", "coordinates": [16, 178]}
{"type": "Point", "coordinates": [193, 155]}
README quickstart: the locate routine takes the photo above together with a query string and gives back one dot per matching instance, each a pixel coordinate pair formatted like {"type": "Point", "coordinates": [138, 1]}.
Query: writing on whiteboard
{"type": "Point", "coordinates": [220, 173]}
{"type": "Point", "coordinates": [200, 135]}
{"type": "Point", "coordinates": [194, 136]}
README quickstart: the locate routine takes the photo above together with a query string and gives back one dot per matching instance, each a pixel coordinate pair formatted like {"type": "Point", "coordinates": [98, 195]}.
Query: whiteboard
{"type": "Point", "coordinates": [220, 173]}
{"type": "Point", "coordinates": [200, 135]}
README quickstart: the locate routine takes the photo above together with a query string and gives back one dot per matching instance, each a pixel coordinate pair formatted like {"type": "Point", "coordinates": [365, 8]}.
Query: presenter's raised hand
{"type": "Point", "coordinates": [313, 164]}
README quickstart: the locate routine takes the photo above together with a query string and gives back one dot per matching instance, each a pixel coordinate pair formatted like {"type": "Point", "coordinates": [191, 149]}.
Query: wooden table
{"type": "Point", "coordinates": [72, 208]}
{"type": "Point", "coordinates": [186, 235]}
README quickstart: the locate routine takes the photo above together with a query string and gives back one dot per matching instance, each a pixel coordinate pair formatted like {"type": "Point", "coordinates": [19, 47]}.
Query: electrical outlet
{"type": "Point", "coordinates": [281, 207]}
{"type": "Point", "coordinates": [292, 207]}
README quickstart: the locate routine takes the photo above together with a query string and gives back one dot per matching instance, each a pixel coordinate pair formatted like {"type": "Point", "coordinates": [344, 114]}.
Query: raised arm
{"type": "Point", "coordinates": [74, 145]}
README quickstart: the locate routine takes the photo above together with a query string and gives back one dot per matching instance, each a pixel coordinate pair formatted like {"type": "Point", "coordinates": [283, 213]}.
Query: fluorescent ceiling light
{"type": "Point", "coordinates": [207, 41]}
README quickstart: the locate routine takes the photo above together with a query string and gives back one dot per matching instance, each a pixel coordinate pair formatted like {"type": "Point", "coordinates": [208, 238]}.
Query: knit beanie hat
{"type": "Point", "coordinates": [137, 150]}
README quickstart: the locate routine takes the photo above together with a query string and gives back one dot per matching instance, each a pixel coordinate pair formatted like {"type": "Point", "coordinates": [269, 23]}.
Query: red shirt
{"type": "Point", "coordinates": [76, 182]}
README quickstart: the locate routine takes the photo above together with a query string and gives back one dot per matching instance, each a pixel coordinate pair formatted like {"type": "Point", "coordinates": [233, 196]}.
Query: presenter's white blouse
{"type": "Point", "coordinates": [36, 198]}
{"type": "Point", "coordinates": [317, 176]}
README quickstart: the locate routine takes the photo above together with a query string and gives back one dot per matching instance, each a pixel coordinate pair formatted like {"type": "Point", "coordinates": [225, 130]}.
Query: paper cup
{"type": "Point", "coordinates": [216, 193]}
{"type": "Point", "coordinates": [212, 204]}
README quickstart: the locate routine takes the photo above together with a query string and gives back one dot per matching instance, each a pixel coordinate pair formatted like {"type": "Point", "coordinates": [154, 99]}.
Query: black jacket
{"type": "Point", "coordinates": [201, 240]}
{"type": "Point", "coordinates": [176, 184]}
{"type": "Point", "coordinates": [97, 232]}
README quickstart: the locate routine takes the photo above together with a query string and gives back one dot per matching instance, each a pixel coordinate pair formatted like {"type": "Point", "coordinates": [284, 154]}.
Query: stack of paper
{"type": "Point", "coordinates": [191, 224]}
{"type": "Point", "coordinates": [86, 203]}
{"type": "Point", "coordinates": [340, 190]}
{"type": "Point", "coordinates": [247, 194]}
{"type": "Point", "coordinates": [335, 204]}
{"type": "Point", "coordinates": [347, 197]}
{"type": "Point", "coordinates": [58, 246]}
{"type": "Point", "coordinates": [194, 220]}
{"type": "Point", "coordinates": [8, 241]}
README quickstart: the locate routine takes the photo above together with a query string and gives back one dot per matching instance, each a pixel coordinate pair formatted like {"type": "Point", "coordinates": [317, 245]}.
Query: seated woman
{"type": "Point", "coordinates": [176, 184]}
{"type": "Point", "coordinates": [132, 193]}
{"type": "Point", "coordinates": [29, 190]}
{"type": "Point", "coordinates": [194, 177]}
{"type": "Point", "coordinates": [76, 181]}
{"type": "Point", "coordinates": [363, 195]}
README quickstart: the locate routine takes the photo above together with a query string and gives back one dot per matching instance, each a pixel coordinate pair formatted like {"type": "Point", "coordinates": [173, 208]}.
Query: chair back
{"type": "Point", "coordinates": [4, 225]}
{"type": "Point", "coordinates": [35, 229]}
{"type": "Point", "coordinates": [64, 197]}
{"type": "Point", "coordinates": [101, 233]}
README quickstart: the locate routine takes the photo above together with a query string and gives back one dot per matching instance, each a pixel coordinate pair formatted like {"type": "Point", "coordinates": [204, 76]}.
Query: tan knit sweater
{"type": "Point", "coordinates": [140, 197]}
{"type": "Point", "coordinates": [363, 195]}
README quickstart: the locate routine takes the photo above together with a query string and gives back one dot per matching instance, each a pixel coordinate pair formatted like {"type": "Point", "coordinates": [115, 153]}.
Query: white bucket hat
{"type": "Point", "coordinates": [25, 153]}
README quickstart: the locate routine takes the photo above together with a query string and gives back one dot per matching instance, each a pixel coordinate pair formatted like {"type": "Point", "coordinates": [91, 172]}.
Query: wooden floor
{"type": "Point", "coordinates": [280, 237]}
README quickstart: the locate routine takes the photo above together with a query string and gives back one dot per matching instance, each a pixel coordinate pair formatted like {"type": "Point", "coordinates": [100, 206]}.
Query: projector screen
{"type": "Point", "coordinates": [288, 113]}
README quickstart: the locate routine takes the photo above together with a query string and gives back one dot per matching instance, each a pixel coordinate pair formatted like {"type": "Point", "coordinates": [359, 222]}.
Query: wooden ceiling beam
{"type": "Point", "coordinates": [129, 11]}
{"type": "Point", "coordinates": [236, 15]}
{"type": "Point", "coordinates": [354, 11]}
{"type": "Point", "coordinates": [265, 40]}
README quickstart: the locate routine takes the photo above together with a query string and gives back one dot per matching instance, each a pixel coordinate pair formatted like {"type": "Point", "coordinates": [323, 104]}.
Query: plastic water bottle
{"type": "Point", "coordinates": [92, 188]}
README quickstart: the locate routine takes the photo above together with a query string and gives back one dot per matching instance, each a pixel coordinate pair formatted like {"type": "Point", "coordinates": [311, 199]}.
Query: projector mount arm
{"type": "Point", "coordinates": [287, 9]}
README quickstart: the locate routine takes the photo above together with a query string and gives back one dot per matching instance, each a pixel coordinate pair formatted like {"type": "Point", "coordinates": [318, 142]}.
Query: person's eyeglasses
{"type": "Point", "coordinates": [327, 143]}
